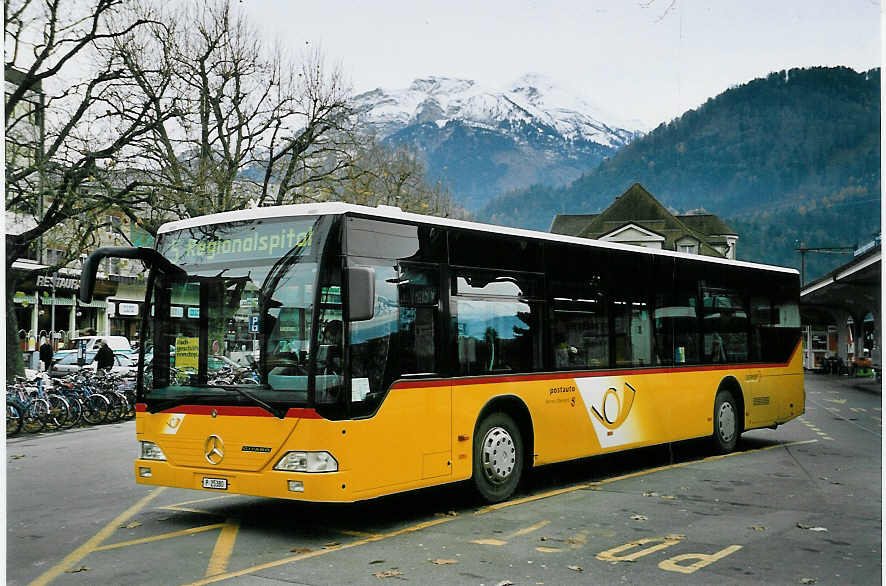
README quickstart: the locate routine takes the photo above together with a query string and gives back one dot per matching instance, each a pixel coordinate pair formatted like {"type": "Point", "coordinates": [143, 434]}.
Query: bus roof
{"type": "Point", "coordinates": [395, 213]}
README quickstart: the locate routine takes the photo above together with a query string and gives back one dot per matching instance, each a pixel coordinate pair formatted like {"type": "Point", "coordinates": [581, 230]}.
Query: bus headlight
{"type": "Point", "coordinates": [150, 451]}
{"type": "Point", "coordinates": [307, 462]}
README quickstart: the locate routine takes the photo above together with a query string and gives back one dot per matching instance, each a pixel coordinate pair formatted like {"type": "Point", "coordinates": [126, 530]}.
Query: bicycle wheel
{"type": "Point", "coordinates": [76, 411]}
{"type": "Point", "coordinates": [59, 411]}
{"type": "Point", "coordinates": [130, 405]}
{"type": "Point", "coordinates": [13, 418]}
{"type": "Point", "coordinates": [118, 407]}
{"type": "Point", "coordinates": [95, 409]}
{"type": "Point", "coordinates": [36, 414]}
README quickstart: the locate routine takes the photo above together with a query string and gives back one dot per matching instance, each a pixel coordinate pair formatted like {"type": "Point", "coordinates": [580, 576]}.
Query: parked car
{"type": "Point", "coordinates": [124, 364]}
{"type": "Point", "coordinates": [116, 343]}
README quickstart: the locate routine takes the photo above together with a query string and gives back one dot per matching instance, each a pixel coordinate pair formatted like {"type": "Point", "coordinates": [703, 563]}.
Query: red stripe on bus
{"type": "Point", "coordinates": [230, 410]}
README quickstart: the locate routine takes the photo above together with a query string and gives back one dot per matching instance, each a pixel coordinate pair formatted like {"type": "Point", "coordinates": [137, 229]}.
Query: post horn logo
{"type": "Point", "coordinates": [214, 449]}
{"type": "Point", "coordinates": [615, 406]}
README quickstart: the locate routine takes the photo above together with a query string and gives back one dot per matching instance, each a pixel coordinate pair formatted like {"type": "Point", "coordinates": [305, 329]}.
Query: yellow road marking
{"type": "Point", "coordinates": [858, 409]}
{"type": "Point", "coordinates": [837, 401]}
{"type": "Point", "coordinates": [203, 500]}
{"type": "Point", "coordinates": [224, 547]}
{"type": "Point", "coordinates": [488, 542]}
{"type": "Point", "coordinates": [190, 510]}
{"type": "Point", "coordinates": [311, 554]}
{"type": "Point", "coordinates": [578, 540]}
{"type": "Point", "coordinates": [597, 483]}
{"type": "Point", "coordinates": [530, 529]}
{"type": "Point", "coordinates": [191, 531]}
{"type": "Point", "coordinates": [106, 531]}
{"type": "Point", "coordinates": [357, 533]}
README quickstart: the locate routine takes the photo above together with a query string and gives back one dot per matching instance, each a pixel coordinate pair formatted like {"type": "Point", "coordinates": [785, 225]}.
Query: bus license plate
{"type": "Point", "coordinates": [216, 483]}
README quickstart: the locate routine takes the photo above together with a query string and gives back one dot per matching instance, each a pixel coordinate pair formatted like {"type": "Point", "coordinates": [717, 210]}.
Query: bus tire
{"type": "Point", "coordinates": [498, 457]}
{"type": "Point", "coordinates": [727, 426]}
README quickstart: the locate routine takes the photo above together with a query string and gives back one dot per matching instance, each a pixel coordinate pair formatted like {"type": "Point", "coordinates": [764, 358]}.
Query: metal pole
{"type": "Point", "coordinates": [52, 314]}
{"type": "Point", "coordinates": [803, 268]}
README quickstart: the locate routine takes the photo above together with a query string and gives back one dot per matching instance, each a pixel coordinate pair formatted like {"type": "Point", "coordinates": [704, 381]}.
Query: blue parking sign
{"type": "Point", "coordinates": [253, 323]}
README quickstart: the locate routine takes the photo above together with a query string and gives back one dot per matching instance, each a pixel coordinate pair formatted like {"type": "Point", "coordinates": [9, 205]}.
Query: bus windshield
{"type": "Point", "coordinates": [235, 328]}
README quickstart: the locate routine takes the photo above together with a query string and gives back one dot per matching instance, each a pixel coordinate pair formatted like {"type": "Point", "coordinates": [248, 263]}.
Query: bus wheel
{"type": "Point", "coordinates": [726, 423]}
{"type": "Point", "coordinates": [498, 457]}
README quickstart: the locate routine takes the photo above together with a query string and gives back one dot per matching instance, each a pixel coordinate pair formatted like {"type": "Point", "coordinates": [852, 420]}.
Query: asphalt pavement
{"type": "Point", "coordinates": [796, 505]}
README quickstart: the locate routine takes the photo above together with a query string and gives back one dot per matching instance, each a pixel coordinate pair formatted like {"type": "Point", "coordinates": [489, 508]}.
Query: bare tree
{"type": "Point", "coordinates": [250, 124]}
{"type": "Point", "coordinates": [393, 176]}
{"type": "Point", "coordinates": [73, 115]}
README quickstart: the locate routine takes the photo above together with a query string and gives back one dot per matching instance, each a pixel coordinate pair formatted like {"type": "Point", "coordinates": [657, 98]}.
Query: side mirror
{"type": "Point", "coordinates": [361, 293]}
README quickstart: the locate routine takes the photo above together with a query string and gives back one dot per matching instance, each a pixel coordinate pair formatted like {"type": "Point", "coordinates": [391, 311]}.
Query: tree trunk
{"type": "Point", "coordinates": [15, 364]}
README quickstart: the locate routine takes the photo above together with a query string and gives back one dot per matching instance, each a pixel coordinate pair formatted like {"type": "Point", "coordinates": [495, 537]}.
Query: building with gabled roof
{"type": "Point", "coordinates": [636, 217]}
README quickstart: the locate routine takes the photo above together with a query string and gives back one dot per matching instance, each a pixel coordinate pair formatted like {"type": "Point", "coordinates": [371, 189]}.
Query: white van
{"type": "Point", "coordinates": [116, 343]}
{"type": "Point", "coordinates": [92, 342]}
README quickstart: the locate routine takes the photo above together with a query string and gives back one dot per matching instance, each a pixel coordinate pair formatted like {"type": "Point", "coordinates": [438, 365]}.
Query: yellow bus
{"type": "Point", "coordinates": [373, 351]}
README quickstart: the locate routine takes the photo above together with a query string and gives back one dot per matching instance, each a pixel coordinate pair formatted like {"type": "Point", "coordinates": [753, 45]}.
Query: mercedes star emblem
{"type": "Point", "coordinates": [214, 449]}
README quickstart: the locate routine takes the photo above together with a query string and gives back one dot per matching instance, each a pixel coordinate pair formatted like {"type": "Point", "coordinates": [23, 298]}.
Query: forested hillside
{"type": "Point", "coordinates": [791, 157]}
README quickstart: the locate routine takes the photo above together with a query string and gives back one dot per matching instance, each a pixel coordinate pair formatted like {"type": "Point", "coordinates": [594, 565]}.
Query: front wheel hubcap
{"type": "Point", "coordinates": [499, 455]}
{"type": "Point", "coordinates": [726, 421]}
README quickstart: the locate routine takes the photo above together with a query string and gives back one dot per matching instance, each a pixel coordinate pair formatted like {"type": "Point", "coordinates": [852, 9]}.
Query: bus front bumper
{"type": "Point", "coordinates": [313, 487]}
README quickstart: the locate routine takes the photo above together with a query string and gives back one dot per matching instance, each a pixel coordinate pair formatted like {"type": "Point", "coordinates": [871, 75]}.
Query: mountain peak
{"type": "Point", "coordinates": [533, 99]}
{"type": "Point", "coordinates": [436, 84]}
{"type": "Point", "coordinates": [484, 140]}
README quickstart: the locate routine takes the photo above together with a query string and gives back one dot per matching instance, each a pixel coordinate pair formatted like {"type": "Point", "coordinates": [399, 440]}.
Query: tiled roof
{"type": "Point", "coordinates": [638, 206]}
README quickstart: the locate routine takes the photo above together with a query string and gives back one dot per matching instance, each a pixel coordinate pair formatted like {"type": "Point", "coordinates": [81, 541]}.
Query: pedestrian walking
{"type": "Point", "coordinates": [104, 358]}
{"type": "Point", "coordinates": [45, 354]}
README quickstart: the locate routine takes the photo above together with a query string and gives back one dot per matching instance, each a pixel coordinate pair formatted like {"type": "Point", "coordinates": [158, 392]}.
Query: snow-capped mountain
{"type": "Point", "coordinates": [483, 141]}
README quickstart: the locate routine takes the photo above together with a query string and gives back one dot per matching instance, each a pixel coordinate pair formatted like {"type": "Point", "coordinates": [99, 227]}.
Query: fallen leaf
{"type": "Point", "coordinates": [387, 574]}
{"type": "Point", "coordinates": [300, 549]}
{"type": "Point", "coordinates": [576, 568]}
{"type": "Point", "coordinates": [650, 494]}
{"type": "Point", "coordinates": [16, 457]}
{"type": "Point", "coordinates": [132, 525]}
{"type": "Point", "coordinates": [808, 581]}
{"type": "Point", "coordinates": [758, 528]}
{"type": "Point", "coordinates": [810, 527]}
{"type": "Point", "coordinates": [331, 544]}
{"type": "Point", "coordinates": [505, 583]}
{"type": "Point", "coordinates": [443, 562]}
{"type": "Point", "coordinates": [75, 570]}
{"type": "Point", "coordinates": [639, 517]}
{"type": "Point", "coordinates": [376, 562]}
{"type": "Point", "coordinates": [668, 497]}
{"type": "Point", "coordinates": [448, 514]}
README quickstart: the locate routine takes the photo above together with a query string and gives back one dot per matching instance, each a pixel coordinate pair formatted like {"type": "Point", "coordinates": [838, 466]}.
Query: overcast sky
{"type": "Point", "coordinates": [648, 63]}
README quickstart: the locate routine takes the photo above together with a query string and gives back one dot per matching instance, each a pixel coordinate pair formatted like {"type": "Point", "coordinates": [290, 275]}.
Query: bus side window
{"type": "Point", "coordinates": [725, 319]}
{"type": "Point", "coordinates": [676, 327]}
{"type": "Point", "coordinates": [581, 334]}
{"type": "Point", "coordinates": [371, 351]}
{"type": "Point", "coordinates": [633, 332]}
{"type": "Point", "coordinates": [497, 320]}
{"type": "Point", "coordinates": [418, 292]}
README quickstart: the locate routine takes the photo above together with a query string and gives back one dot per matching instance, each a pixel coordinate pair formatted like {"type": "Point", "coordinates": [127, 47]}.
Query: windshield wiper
{"type": "Point", "coordinates": [278, 412]}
